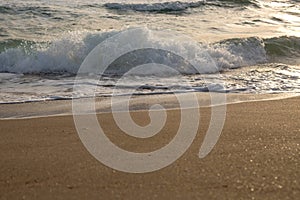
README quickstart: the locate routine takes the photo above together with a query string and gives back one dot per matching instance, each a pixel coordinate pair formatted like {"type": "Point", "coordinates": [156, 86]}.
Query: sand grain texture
{"type": "Point", "coordinates": [257, 156]}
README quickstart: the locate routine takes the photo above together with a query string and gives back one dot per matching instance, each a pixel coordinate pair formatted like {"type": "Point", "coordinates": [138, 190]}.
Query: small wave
{"type": "Point", "coordinates": [155, 7]}
{"type": "Point", "coordinates": [238, 52]}
{"type": "Point", "coordinates": [64, 56]}
{"type": "Point", "coordinates": [283, 46]}
{"type": "Point", "coordinates": [6, 10]}
{"type": "Point", "coordinates": [33, 10]}
{"type": "Point", "coordinates": [174, 6]}
{"type": "Point", "coordinates": [60, 56]}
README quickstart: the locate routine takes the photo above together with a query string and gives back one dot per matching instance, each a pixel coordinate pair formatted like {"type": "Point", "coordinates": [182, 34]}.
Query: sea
{"type": "Point", "coordinates": [254, 45]}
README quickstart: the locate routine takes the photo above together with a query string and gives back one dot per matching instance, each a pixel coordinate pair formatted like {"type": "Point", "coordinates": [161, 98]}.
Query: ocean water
{"type": "Point", "coordinates": [254, 44]}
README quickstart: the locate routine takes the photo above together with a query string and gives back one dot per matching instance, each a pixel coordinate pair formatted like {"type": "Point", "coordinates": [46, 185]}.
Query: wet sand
{"type": "Point", "coordinates": [257, 156]}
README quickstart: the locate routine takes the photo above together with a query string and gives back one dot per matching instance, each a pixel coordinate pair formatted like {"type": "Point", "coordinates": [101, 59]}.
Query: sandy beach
{"type": "Point", "coordinates": [256, 157]}
{"type": "Point", "coordinates": [111, 99]}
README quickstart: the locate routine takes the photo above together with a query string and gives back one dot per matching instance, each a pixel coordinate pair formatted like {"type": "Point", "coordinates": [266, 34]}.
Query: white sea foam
{"type": "Point", "coordinates": [65, 55]}
{"type": "Point", "coordinates": [62, 55]}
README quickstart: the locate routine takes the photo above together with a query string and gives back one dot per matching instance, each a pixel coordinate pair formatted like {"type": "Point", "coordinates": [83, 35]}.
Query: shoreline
{"type": "Point", "coordinates": [53, 108]}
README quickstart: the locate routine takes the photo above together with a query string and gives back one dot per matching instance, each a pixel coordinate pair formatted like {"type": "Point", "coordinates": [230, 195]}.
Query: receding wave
{"type": "Point", "coordinates": [66, 55]}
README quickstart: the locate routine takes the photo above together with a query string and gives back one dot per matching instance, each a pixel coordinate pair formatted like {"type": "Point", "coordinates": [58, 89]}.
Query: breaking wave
{"type": "Point", "coordinates": [66, 55]}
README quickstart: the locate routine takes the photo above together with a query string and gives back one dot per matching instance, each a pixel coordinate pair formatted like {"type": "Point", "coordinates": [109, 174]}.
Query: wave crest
{"type": "Point", "coordinates": [155, 7]}
{"type": "Point", "coordinates": [66, 55]}
{"type": "Point", "coordinates": [174, 6]}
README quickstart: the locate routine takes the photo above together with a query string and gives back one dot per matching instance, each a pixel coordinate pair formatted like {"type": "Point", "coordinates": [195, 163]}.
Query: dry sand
{"type": "Point", "coordinates": [257, 156]}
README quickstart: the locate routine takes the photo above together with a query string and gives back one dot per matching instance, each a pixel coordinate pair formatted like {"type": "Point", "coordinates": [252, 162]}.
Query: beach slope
{"type": "Point", "coordinates": [257, 156]}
